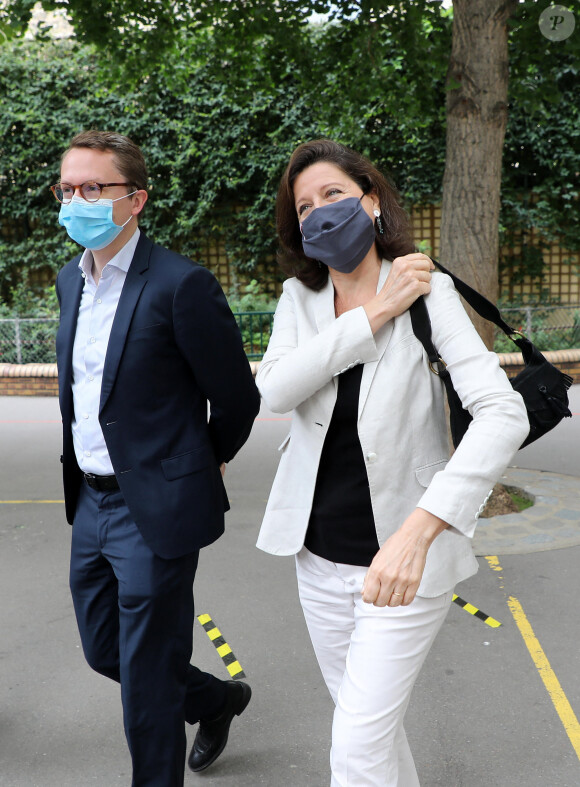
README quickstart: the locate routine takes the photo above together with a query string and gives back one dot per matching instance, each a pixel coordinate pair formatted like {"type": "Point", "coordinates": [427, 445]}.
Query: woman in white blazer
{"type": "Point", "coordinates": [366, 496]}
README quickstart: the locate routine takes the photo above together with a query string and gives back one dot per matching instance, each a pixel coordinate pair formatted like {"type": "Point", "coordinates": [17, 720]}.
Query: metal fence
{"type": "Point", "coordinates": [31, 340]}
{"type": "Point", "coordinates": [256, 328]}
{"type": "Point", "coordinates": [28, 340]}
{"type": "Point", "coordinates": [549, 327]}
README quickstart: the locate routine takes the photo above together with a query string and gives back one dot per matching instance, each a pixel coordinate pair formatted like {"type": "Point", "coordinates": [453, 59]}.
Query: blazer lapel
{"type": "Point", "coordinates": [382, 339]}
{"type": "Point", "coordinates": [69, 310]}
{"type": "Point", "coordinates": [324, 306]}
{"type": "Point", "coordinates": [325, 316]}
{"type": "Point", "coordinates": [130, 294]}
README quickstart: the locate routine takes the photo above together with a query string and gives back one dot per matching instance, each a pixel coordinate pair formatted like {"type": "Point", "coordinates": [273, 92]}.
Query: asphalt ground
{"type": "Point", "coordinates": [494, 706]}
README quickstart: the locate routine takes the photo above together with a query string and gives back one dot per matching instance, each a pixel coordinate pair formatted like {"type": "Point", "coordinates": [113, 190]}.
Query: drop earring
{"type": "Point", "coordinates": [379, 222]}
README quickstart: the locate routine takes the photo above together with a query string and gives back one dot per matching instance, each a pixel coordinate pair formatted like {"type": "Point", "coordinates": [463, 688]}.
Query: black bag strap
{"type": "Point", "coordinates": [477, 301]}
{"type": "Point", "coordinates": [533, 358]}
{"type": "Point", "coordinates": [421, 323]}
{"type": "Point", "coordinates": [490, 312]}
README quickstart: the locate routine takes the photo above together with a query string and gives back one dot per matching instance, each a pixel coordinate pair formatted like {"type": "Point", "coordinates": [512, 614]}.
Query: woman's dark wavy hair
{"type": "Point", "coordinates": [396, 240]}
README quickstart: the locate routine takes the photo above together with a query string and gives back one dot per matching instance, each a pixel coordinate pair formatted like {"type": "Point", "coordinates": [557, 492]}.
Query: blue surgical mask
{"type": "Point", "coordinates": [91, 224]}
{"type": "Point", "coordinates": [339, 234]}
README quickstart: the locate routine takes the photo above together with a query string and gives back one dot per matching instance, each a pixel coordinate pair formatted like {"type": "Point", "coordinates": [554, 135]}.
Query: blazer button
{"type": "Point", "coordinates": [371, 458]}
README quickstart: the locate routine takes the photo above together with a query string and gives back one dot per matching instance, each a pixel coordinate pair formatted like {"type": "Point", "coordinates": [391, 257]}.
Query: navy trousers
{"type": "Point", "coordinates": [135, 616]}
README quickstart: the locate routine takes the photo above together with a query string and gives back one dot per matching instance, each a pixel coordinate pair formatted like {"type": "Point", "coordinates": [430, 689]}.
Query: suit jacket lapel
{"type": "Point", "coordinates": [325, 314]}
{"type": "Point", "coordinates": [382, 339]}
{"type": "Point", "coordinates": [69, 310]}
{"type": "Point", "coordinates": [324, 308]}
{"type": "Point", "coordinates": [134, 283]}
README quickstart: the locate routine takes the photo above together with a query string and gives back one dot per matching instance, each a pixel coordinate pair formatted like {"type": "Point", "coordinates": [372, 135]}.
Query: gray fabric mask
{"type": "Point", "coordinates": [339, 234]}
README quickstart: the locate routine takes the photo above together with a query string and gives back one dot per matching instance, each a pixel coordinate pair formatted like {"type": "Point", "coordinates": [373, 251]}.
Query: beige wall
{"type": "Point", "coordinates": [561, 274]}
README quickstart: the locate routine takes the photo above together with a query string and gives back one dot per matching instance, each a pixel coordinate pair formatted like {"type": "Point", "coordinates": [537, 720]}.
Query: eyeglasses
{"type": "Point", "coordinates": [90, 190]}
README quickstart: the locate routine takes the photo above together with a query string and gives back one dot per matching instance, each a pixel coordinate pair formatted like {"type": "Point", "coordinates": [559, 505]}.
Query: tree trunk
{"type": "Point", "coordinates": [477, 83]}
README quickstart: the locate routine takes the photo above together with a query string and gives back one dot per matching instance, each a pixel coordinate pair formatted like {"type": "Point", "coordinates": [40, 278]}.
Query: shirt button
{"type": "Point", "coordinates": [85, 415]}
{"type": "Point", "coordinates": [92, 340]}
{"type": "Point", "coordinates": [90, 378]}
{"type": "Point", "coordinates": [99, 300]}
{"type": "Point", "coordinates": [371, 458]}
{"type": "Point", "coordinates": [87, 453]}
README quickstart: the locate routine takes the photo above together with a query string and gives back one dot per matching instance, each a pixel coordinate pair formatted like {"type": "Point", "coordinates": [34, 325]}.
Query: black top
{"type": "Point", "coordinates": [341, 526]}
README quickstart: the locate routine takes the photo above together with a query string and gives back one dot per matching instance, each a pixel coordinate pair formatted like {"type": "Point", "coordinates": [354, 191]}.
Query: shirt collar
{"type": "Point", "coordinates": [121, 260]}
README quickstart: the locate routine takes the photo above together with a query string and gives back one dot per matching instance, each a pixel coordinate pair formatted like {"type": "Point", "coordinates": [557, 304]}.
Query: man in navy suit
{"type": "Point", "coordinates": [146, 341]}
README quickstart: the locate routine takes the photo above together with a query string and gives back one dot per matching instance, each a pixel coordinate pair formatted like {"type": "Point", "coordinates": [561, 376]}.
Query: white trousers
{"type": "Point", "coordinates": [370, 658]}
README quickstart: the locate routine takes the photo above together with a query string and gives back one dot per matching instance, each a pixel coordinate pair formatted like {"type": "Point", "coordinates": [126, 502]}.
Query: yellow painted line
{"type": "Point", "coordinates": [547, 674]}
{"type": "Point", "coordinates": [235, 670]}
{"type": "Point", "coordinates": [493, 562]}
{"type": "Point", "coordinates": [476, 612]}
{"type": "Point", "coordinates": [18, 502]}
{"type": "Point", "coordinates": [542, 664]}
{"type": "Point", "coordinates": [230, 662]}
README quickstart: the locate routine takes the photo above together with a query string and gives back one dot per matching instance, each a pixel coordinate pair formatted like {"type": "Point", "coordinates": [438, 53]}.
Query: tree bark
{"type": "Point", "coordinates": [477, 83]}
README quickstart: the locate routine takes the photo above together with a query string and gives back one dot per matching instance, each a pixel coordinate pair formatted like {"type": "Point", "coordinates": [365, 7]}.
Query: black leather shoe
{"type": "Point", "coordinates": [212, 734]}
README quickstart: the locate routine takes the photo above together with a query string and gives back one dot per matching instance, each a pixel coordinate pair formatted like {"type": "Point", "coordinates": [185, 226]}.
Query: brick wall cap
{"type": "Point", "coordinates": [50, 369]}
{"type": "Point", "coordinates": [28, 370]}
{"type": "Point", "coordinates": [554, 356]}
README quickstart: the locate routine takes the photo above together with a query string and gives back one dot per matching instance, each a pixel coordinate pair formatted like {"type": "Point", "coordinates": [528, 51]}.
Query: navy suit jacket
{"type": "Point", "coordinates": [174, 347]}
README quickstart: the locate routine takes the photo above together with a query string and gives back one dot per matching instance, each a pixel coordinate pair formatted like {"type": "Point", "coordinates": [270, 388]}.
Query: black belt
{"type": "Point", "coordinates": [102, 483]}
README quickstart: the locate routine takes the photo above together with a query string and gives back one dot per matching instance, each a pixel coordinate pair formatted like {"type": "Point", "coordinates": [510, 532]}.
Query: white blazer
{"type": "Point", "coordinates": [401, 419]}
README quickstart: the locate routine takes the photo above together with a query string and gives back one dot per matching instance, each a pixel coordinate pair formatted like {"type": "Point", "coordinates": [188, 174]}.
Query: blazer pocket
{"type": "Point", "coordinates": [185, 464]}
{"type": "Point", "coordinates": [404, 343]}
{"type": "Point", "coordinates": [147, 332]}
{"type": "Point", "coordinates": [425, 473]}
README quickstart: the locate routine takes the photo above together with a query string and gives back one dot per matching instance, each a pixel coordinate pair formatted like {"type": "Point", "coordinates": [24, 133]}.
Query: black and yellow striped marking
{"type": "Point", "coordinates": [232, 665]}
{"type": "Point", "coordinates": [476, 612]}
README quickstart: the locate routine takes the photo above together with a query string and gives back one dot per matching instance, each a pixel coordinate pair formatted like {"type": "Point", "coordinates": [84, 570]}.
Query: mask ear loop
{"type": "Point", "coordinates": [125, 196]}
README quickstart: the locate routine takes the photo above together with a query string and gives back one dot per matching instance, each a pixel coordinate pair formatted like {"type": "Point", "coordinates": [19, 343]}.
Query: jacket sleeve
{"type": "Point", "coordinates": [500, 423]}
{"type": "Point", "coordinates": [208, 336]}
{"type": "Point", "coordinates": [299, 361]}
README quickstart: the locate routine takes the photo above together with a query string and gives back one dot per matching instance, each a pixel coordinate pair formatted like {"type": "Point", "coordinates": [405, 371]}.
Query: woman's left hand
{"type": "Point", "coordinates": [395, 573]}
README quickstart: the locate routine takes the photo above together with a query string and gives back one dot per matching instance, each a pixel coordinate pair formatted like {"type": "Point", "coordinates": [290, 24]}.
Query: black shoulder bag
{"type": "Point", "coordinates": [543, 387]}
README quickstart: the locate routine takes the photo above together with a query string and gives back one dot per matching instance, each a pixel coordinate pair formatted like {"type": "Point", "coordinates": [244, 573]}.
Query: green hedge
{"type": "Point", "coordinates": [217, 122]}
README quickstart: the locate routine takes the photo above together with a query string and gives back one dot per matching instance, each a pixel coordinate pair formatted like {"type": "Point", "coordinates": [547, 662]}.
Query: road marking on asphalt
{"type": "Point", "coordinates": [18, 502]}
{"type": "Point", "coordinates": [232, 665]}
{"type": "Point", "coordinates": [477, 613]}
{"type": "Point", "coordinates": [547, 674]}
{"type": "Point", "coordinates": [29, 421]}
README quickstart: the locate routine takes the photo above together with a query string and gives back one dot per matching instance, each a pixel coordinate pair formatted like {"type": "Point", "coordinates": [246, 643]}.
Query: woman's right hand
{"type": "Point", "coordinates": [409, 277]}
